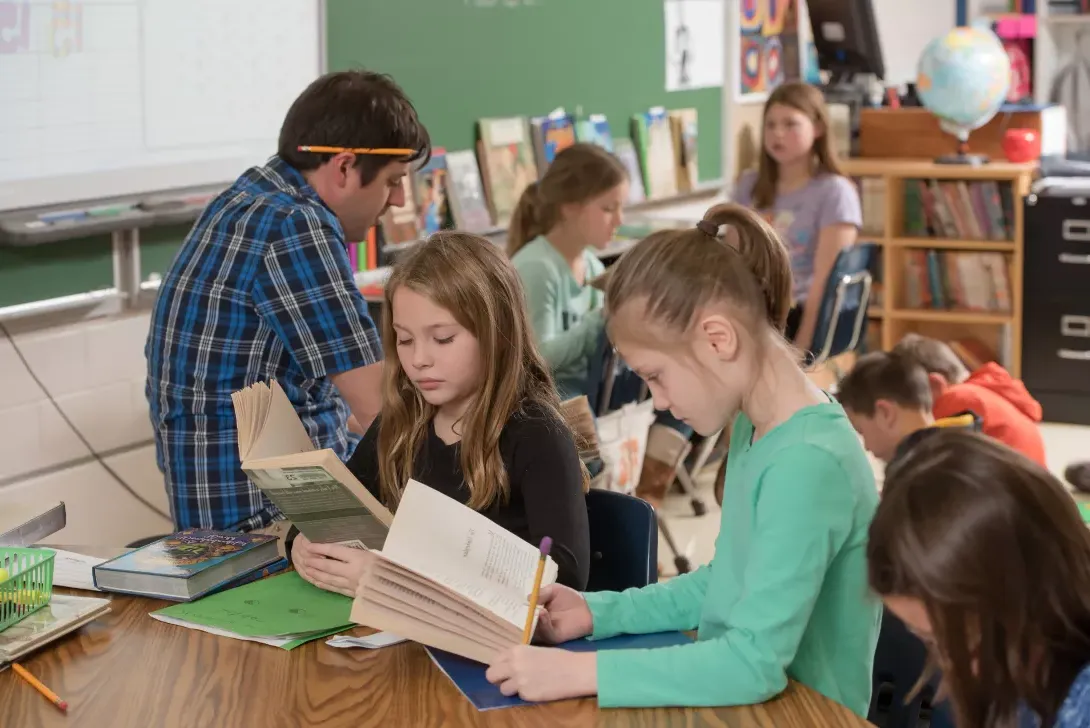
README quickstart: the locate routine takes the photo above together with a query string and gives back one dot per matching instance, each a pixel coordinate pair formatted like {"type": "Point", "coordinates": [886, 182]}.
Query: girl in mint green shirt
{"type": "Point", "coordinates": [559, 223]}
{"type": "Point", "coordinates": [700, 314]}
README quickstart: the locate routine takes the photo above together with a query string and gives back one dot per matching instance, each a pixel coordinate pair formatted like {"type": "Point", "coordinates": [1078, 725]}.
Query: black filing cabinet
{"type": "Point", "coordinates": [1056, 302]}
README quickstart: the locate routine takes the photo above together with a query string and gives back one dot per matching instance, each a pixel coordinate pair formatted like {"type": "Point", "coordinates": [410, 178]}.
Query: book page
{"type": "Point", "coordinates": [319, 494]}
{"type": "Point", "coordinates": [444, 540]}
{"type": "Point", "coordinates": [268, 424]}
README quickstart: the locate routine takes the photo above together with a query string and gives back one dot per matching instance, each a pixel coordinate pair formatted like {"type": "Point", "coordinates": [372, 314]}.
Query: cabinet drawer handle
{"type": "Point", "coordinates": [1072, 259]}
{"type": "Point", "coordinates": [1078, 230]}
{"type": "Point", "coordinates": [1075, 326]}
{"type": "Point", "coordinates": [1072, 354]}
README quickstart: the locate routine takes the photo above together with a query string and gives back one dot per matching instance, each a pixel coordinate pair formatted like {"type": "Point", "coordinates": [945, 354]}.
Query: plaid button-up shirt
{"type": "Point", "coordinates": [261, 289]}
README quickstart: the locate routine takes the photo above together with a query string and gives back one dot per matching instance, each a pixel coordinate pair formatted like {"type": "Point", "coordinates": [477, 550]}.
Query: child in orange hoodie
{"type": "Point", "coordinates": [1007, 410]}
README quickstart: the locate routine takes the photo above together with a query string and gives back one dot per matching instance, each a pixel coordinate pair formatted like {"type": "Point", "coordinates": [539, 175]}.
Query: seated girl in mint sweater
{"type": "Point", "coordinates": [559, 222]}
{"type": "Point", "coordinates": [699, 314]}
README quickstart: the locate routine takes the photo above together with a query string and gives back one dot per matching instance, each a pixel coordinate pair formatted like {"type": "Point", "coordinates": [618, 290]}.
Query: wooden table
{"type": "Point", "coordinates": [127, 669]}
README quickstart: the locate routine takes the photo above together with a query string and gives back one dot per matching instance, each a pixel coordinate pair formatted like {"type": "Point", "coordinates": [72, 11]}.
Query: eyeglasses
{"type": "Point", "coordinates": [356, 150]}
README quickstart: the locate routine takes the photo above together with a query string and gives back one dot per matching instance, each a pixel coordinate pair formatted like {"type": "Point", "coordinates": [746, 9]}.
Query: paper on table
{"type": "Point", "coordinates": [74, 570]}
{"type": "Point", "coordinates": [273, 607]}
{"type": "Point", "coordinates": [370, 642]}
{"type": "Point", "coordinates": [286, 642]}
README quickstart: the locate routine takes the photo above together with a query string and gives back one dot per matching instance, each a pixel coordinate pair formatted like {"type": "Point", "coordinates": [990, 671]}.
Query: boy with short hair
{"type": "Point", "coordinates": [888, 400]}
{"type": "Point", "coordinates": [1006, 409]}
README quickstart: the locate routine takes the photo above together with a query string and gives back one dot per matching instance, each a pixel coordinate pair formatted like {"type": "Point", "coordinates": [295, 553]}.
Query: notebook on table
{"type": "Point", "coordinates": [469, 676]}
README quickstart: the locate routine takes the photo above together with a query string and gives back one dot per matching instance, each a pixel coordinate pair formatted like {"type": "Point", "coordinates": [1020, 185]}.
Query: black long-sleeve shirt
{"type": "Point", "coordinates": [545, 476]}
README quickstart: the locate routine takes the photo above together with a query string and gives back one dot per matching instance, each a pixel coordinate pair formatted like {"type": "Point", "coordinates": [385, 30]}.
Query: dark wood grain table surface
{"type": "Point", "coordinates": [129, 670]}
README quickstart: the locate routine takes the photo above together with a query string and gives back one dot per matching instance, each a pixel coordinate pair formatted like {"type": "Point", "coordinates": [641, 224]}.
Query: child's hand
{"type": "Point", "coordinates": [566, 616]}
{"type": "Point", "coordinates": [331, 567]}
{"type": "Point", "coordinates": [539, 674]}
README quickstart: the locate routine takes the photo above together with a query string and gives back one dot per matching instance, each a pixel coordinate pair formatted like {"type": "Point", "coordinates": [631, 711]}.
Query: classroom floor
{"type": "Point", "coordinates": [695, 536]}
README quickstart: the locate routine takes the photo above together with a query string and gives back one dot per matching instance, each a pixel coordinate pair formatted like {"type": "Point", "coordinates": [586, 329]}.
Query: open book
{"type": "Point", "coordinates": [449, 578]}
{"type": "Point", "coordinates": [312, 488]}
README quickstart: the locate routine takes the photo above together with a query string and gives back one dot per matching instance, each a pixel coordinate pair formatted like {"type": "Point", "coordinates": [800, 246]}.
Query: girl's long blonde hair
{"type": "Point", "coordinates": [807, 99]}
{"type": "Point", "coordinates": [473, 280]}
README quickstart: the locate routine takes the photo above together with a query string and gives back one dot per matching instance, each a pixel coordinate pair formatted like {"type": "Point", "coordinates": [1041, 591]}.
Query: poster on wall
{"type": "Point", "coordinates": [694, 43]}
{"type": "Point", "coordinates": [770, 51]}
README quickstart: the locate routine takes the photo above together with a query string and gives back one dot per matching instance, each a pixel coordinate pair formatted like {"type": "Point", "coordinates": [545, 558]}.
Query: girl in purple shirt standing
{"type": "Point", "coordinates": [799, 188]}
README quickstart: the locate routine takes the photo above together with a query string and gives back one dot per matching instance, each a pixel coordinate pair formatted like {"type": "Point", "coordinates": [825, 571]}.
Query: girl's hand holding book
{"type": "Point", "coordinates": [566, 615]}
{"type": "Point", "coordinates": [331, 567]}
{"type": "Point", "coordinates": [540, 674]}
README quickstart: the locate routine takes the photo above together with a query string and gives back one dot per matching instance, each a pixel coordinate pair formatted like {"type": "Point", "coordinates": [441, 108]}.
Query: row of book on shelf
{"type": "Point", "coordinates": [957, 281]}
{"type": "Point", "coordinates": [949, 209]}
{"type": "Point", "coordinates": [477, 190]}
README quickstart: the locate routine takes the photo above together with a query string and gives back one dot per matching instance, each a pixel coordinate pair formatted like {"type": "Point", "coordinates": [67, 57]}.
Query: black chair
{"type": "Point", "coordinates": [623, 541]}
{"type": "Point", "coordinates": [600, 375]}
{"type": "Point", "coordinates": [899, 662]}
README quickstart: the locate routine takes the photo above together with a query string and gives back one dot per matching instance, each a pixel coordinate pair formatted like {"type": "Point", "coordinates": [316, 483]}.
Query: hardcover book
{"type": "Point", "coordinates": [187, 564]}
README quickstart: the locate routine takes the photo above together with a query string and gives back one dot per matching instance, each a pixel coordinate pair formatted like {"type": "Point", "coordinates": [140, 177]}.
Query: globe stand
{"type": "Point", "coordinates": [962, 156]}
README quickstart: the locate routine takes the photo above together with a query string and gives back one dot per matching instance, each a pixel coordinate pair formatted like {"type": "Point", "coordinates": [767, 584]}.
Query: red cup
{"type": "Point", "coordinates": [1022, 145]}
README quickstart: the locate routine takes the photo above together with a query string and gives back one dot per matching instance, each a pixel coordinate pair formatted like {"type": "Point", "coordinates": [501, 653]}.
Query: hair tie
{"type": "Point", "coordinates": [708, 228]}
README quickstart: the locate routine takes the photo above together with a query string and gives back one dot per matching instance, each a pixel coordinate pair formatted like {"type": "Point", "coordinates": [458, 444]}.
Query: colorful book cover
{"type": "Point", "coordinates": [430, 194]}
{"type": "Point", "coordinates": [625, 151]}
{"type": "Point", "coordinates": [466, 193]}
{"type": "Point", "coordinates": [683, 128]}
{"type": "Point", "coordinates": [594, 130]}
{"type": "Point", "coordinates": [186, 553]}
{"type": "Point", "coordinates": [399, 224]}
{"type": "Point", "coordinates": [558, 133]}
{"type": "Point", "coordinates": [508, 165]}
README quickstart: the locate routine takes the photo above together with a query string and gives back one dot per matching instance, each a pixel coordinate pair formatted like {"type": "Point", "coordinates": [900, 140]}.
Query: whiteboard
{"type": "Point", "coordinates": [108, 98]}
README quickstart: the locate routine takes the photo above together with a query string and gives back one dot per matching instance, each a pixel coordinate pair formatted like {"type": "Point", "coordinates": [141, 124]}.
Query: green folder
{"type": "Point", "coordinates": [1084, 509]}
{"type": "Point", "coordinates": [277, 606]}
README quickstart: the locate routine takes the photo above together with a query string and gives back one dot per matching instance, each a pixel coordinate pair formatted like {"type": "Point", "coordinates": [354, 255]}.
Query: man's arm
{"type": "Point", "coordinates": [306, 294]}
{"type": "Point", "coordinates": [362, 390]}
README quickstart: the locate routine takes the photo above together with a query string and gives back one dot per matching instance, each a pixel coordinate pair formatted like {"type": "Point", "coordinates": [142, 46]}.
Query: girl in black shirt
{"type": "Point", "coordinates": [469, 409]}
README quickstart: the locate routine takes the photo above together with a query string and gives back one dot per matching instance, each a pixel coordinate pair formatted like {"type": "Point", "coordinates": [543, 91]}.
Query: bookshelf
{"type": "Point", "coordinates": [998, 322]}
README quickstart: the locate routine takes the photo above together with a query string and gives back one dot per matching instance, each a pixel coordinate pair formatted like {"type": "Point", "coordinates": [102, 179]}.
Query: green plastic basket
{"type": "Point", "coordinates": [28, 585]}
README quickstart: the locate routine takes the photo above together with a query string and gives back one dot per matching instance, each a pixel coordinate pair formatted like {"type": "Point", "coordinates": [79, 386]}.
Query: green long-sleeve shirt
{"type": "Point", "coordinates": [786, 594]}
{"type": "Point", "coordinates": [566, 316]}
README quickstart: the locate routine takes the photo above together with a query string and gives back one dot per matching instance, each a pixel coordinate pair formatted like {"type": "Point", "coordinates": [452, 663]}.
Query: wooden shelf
{"type": "Point", "coordinates": [922, 169]}
{"type": "Point", "coordinates": [982, 246]}
{"type": "Point", "coordinates": [950, 316]}
{"type": "Point", "coordinates": [1000, 331]}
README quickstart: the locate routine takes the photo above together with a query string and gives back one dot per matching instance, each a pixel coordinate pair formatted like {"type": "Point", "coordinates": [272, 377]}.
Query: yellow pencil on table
{"type": "Point", "coordinates": [37, 685]}
{"type": "Point", "coordinates": [546, 544]}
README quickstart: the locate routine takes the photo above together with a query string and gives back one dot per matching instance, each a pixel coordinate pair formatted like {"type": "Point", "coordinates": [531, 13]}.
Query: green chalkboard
{"type": "Point", "coordinates": [158, 246]}
{"type": "Point", "coordinates": [461, 60]}
{"type": "Point", "coordinates": [58, 269]}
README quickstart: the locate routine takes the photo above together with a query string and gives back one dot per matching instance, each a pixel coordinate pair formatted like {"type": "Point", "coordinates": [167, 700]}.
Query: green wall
{"type": "Point", "coordinates": [460, 62]}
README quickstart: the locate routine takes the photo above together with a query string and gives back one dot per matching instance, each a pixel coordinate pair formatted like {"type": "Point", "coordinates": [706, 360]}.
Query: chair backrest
{"type": "Point", "coordinates": [899, 662]}
{"type": "Point", "coordinates": [843, 308]}
{"type": "Point", "coordinates": [600, 375]}
{"type": "Point", "coordinates": [624, 541]}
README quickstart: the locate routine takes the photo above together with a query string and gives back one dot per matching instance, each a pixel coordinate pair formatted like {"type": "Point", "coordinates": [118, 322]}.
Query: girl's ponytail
{"type": "Point", "coordinates": [763, 253]}
{"type": "Point", "coordinates": [578, 174]}
{"type": "Point", "coordinates": [526, 223]}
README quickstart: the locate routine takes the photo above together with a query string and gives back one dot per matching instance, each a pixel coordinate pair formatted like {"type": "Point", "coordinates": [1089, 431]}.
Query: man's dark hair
{"type": "Point", "coordinates": [883, 375]}
{"type": "Point", "coordinates": [353, 109]}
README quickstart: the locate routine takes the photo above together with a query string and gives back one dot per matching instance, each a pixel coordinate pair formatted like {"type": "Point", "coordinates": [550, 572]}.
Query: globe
{"type": "Point", "coordinates": [963, 78]}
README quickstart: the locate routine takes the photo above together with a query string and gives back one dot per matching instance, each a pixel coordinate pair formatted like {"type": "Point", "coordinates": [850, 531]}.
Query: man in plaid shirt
{"type": "Point", "coordinates": [263, 289]}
